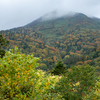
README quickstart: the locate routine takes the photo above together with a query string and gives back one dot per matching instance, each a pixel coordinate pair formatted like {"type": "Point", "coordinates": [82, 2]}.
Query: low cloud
{"type": "Point", "coordinates": [15, 13]}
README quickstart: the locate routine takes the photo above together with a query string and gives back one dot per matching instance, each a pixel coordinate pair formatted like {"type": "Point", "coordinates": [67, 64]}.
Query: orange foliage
{"type": "Point", "coordinates": [35, 40]}
{"type": "Point", "coordinates": [97, 39]}
{"type": "Point", "coordinates": [53, 49]}
{"type": "Point", "coordinates": [76, 38]}
{"type": "Point", "coordinates": [41, 42]}
{"type": "Point", "coordinates": [79, 63]}
{"type": "Point", "coordinates": [88, 61]}
{"type": "Point", "coordinates": [12, 42]}
{"type": "Point", "coordinates": [85, 46]}
{"type": "Point", "coordinates": [38, 51]}
{"type": "Point", "coordinates": [7, 37]}
{"type": "Point", "coordinates": [79, 43]}
{"type": "Point", "coordinates": [92, 44]}
{"type": "Point", "coordinates": [26, 36]}
{"type": "Point", "coordinates": [40, 57]}
{"type": "Point", "coordinates": [57, 42]}
{"type": "Point", "coordinates": [17, 35]}
{"type": "Point", "coordinates": [20, 41]}
{"type": "Point", "coordinates": [37, 44]}
{"type": "Point", "coordinates": [98, 49]}
{"type": "Point", "coordinates": [47, 46]}
{"type": "Point", "coordinates": [64, 41]}
{"type": "Point", "coordinates": [79, 52]}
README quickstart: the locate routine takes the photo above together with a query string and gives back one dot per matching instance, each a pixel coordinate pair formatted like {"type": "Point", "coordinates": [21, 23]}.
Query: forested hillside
{"type": "Point", "coordinates": [67, 49]}
{"type": "Point", "coordinates": [74, 39]}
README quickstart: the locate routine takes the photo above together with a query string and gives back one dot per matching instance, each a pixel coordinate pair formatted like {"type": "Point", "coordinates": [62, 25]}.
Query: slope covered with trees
{"type": "Point", "coordinates": [19, 80]}
{"type": "Point", "coordinates": [3, 42]}
{"type": "Point", "coordinates": [74, 39]}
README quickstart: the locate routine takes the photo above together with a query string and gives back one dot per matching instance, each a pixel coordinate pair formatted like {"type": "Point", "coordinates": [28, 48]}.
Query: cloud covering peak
{"type": "Point", "coordinates": [15, 13]}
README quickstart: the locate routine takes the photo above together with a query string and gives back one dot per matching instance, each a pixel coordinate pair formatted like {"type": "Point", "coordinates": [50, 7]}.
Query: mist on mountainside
{"type": "Point", "coordinates": [57, 14]}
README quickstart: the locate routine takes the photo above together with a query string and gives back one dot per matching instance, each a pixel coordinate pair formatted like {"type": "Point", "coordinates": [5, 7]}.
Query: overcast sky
{"type": "Point", "coordinates": [16, 13]}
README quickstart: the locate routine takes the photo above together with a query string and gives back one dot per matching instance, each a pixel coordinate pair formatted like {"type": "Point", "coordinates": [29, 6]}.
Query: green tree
{"type": "Point", "coordinates": [59, 68]}
{"type": "Point", "coordinates": [78, 82]}
{"type": "Point", "coordinates": [3, 42]}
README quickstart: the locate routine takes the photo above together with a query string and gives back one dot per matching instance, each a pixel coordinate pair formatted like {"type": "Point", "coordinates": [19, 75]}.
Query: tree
{"type": "Point", "coordinates": [59, 68]}
{"type": "Point", "coordinates": [3, 42]}
{"type": "Point", "coordinates": [77, 82]}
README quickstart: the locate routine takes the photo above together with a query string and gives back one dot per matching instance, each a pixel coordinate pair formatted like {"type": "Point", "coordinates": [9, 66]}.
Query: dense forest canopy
{"type": "Point", "coordinates": [74, 39]}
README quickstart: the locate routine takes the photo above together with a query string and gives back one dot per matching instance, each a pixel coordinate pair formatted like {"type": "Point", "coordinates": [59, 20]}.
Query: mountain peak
{"type": "Point", "coordinates": [55, 17]}
{"type": "Point", "coordinates": [51, 16]}
{"type": "Point", "coordinates": [80, 14]}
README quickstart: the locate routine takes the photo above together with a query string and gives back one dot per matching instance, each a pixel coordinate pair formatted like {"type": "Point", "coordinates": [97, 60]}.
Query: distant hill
{"type": "Point", "coordinates": [74, 38]}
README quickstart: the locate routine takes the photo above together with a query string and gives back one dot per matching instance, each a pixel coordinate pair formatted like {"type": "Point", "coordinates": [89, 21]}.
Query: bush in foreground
{"type": "Point", "coordinates": [78, 82]}
{"type": "Point", "coordinates": [19, 80]}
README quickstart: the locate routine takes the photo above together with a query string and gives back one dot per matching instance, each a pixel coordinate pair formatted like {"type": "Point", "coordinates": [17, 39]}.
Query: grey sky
{"type": "Point", "coordinates": [15, 13]}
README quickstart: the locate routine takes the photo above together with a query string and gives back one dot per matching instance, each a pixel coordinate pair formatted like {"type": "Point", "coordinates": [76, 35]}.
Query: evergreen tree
{"type": "Point", "coordinates": [59, 68]}
{"type": "Point", "coordinates": [3, 42]}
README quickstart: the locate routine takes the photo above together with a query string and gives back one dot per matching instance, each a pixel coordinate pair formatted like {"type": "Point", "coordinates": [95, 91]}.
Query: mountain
{"type": "Point", "coordinates": [59, 25]}
{"type": "Point", "coordinates": [74, 38]}
{"type": "Point", "coordinates": [66, 19]}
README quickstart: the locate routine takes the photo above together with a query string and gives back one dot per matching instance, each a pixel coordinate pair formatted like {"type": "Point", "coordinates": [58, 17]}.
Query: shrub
{"type": "Point", "coordinates": [78, 81]}
{"type": "Point", "coordinates": [19, 79]}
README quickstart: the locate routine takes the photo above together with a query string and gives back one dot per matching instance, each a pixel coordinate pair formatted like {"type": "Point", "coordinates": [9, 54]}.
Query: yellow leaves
{"type": "Point", "coordinates": [25, 79]}
{"type": "Point", "coordinates": [55, 58]}
{"type": "Point", "coordinates": [77, 84]}
{"type": "Point", "coordinates": [2, 77]}
{"type": "Point", "coordinates": [47, 83]}
{"type": "Point", "coordinates": [1, 70]}
{"type": "Point", "coordinates": [40, 57]}
{"type": "Point", "coordinates": [80, 88]}
{"type": "Point", "coordinates": [9, 61]}
{"type": "Point", "coordinates": [8, 83]}
{"type": "Point", "coordinates": [20, 71]}
{"type": "Point", "coordinates": [41, 91]}
{"type": "Point", "coordinates": [72, 53]}
{"type": "Point", "coordinates": [47, 87]}
{"type": "Point", "coordinates": [67, 56]}
{"type": "Point", "coordinates": [94, 98]}
{"type": "Point", "coordinates": [97, 66]}
{"type": "Point", "coordinates": [6, 75]}
{"type": "Point", "coordinates": [25, 72]}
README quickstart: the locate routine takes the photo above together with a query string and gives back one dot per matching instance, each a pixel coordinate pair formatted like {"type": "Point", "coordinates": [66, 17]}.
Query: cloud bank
{"type": "Point", "coordinates": [15, 13]}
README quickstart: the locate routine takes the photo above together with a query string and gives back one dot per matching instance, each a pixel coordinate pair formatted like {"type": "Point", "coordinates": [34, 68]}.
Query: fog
{"type": "Point", "coordinates": [16, 13]}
